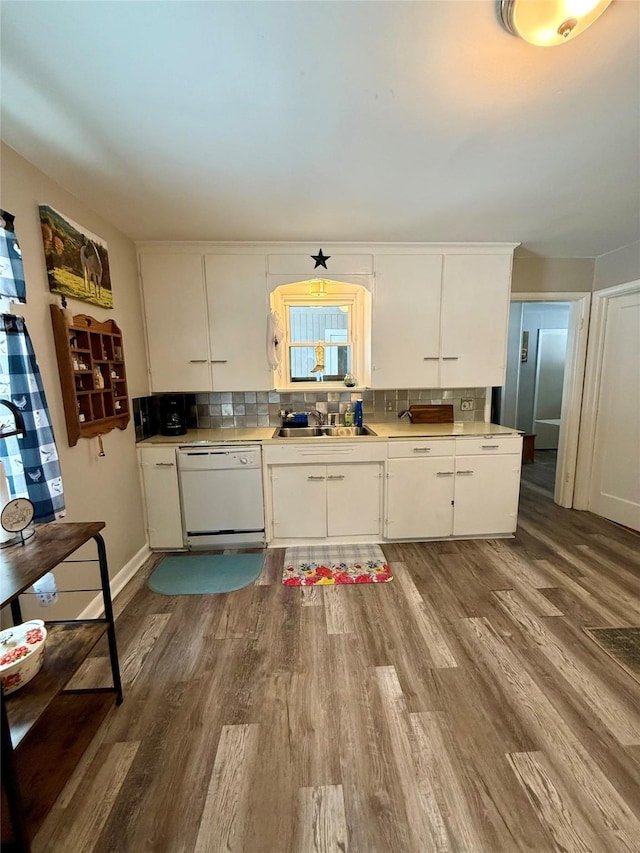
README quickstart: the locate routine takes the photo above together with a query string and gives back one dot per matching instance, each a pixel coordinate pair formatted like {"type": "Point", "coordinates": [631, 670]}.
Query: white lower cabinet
{"type": "Point", "coordinates": [299, 501]}
{"type": "Point", "coordinates": [472, 492]}
{"type": "Point", "coordinates": [354, 499]}
{"type": "Point", "coordinates": [159, 475]}
{"type": "Point", "coordinates": [486, 495]}
{"type": "Point", "coordinates": [320, 501]}
{"type": "Point", "coordinates": [420, 498]}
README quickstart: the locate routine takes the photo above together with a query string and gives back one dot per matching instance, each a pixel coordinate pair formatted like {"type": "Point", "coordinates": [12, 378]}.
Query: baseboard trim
{"type": "Point", "coordinates": [95, 608]}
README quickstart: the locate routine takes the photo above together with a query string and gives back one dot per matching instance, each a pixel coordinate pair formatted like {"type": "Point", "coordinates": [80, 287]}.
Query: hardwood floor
{"type": "Point", "coordinates": [459, 708]}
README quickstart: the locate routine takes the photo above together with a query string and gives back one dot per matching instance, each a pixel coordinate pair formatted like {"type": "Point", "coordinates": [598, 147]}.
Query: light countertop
{"type": "Point", "coordinates": [383, 431]}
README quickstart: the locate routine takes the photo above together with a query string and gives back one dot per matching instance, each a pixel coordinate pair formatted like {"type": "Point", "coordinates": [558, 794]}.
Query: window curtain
{"type": "Point", "coordinates": [12, 285]}
{"type": "Point", "coordinates": [31, 460]}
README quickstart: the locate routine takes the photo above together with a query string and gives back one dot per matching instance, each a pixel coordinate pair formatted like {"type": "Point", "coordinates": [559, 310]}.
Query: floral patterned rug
{"type": "Point", "coordinates": [324, 565]}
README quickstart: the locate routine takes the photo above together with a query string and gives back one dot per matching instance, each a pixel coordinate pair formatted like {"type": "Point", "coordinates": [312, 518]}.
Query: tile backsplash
{"type": "Point", "coordinates": [262, 408]}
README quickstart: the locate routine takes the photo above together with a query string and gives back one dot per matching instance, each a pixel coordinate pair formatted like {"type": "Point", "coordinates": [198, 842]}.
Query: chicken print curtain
{"type": "Point", "coordinates": [12, 284]}
{"type": "Point", "coordinates": [31, 461]}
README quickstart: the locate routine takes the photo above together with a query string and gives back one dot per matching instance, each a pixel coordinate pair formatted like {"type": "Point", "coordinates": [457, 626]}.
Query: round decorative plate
{"type": "Point", "coordinates": [17, 515]}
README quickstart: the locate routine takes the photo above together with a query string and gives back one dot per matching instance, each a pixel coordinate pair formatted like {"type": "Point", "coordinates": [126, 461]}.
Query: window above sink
{"type": "Point", "coordinates": [327, 336]}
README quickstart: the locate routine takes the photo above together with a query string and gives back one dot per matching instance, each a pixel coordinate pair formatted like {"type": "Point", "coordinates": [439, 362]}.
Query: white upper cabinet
{"type": "Point", "coordinates": [176, 322]}
{"type": "Point", "coordinates": [440, 321]}
{"type": "Point", "coordinates": [406, 321]}
{"type": "Point", "coordinates": [238, 307]}
{"type": "Point", "coordinates": [475, 319]}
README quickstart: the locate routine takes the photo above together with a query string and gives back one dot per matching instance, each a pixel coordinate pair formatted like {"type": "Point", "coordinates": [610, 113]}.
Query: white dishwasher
{"type": "Point", "coordinates": [221, 496]}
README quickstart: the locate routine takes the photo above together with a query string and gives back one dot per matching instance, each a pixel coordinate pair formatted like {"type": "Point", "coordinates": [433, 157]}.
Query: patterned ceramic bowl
{"type": "Point", "coordinates": [21, 654]}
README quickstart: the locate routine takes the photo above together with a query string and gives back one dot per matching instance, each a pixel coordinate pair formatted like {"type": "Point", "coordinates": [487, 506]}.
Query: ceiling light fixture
{"type": "Point", "coordinates": [318, 287]}
{"type": "Point", "coordinates": [550, 22]}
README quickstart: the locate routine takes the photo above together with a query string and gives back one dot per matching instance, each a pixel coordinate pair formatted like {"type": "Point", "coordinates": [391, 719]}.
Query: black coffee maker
{"type": "Point", "coordinates": [173, 416]}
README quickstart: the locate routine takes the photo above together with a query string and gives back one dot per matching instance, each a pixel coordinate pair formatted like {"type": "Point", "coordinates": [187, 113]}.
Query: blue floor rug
{"type": "Point", "coordinates": [205, 573]}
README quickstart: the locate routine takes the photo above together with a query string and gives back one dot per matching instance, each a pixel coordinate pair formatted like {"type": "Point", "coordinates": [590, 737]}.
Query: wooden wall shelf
{"type": "Point", "coordinates": [92, 375]}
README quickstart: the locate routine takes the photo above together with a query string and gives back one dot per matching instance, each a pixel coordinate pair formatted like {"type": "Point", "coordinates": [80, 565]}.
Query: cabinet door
{"type": "Point", "coordinates": [475, 320]}
{"type": "Point", "coordinates": [354, 499]}
{"type": "Point", "coordinates": [486, 495]}
{"type": "Point", "coordinates": [406, 321]}
{"type": "Point", "coordinates": [176, 322]}
{"type": "Point", "coordinates": [237, 302]}
{"type": "Point", "coordinates": [420, 498]}
{"type": "Point", "coordinates": [162, 498]}
{"type": "Point", "coordinates": [299, 501]}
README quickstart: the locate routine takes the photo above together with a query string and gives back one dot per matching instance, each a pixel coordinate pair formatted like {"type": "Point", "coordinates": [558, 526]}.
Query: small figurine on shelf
{"type": "Point", "coordinates": [117, 406]}
{"type": "Point", "coordinates": [114, 374]}
{"type": "Point", "coordinates": [98, 379]}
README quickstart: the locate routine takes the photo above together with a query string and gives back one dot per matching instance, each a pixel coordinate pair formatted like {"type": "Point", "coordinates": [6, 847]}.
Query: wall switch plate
{"type": "Point", "coordinates": [388, 406]}
{"type": "Point", "coordinates": [467, 404]}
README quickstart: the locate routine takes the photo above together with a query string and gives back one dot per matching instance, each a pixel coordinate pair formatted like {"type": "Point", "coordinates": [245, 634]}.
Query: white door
{"type": "Point", "coordinates": [405, 342]}
{"type": "Point", "coordinates": [354, 499]}
{"type": "Point", "coordinates": [615, 479]}
{"type": "Point", "coordinates": [419, 498]}
{"type": "Point", "coordinates": [299, 501]}
{"type": "Point", "coordinates": [238, 307]}
{"type": "Point", "coordinates": [175, 314]}
{"type": "Point", "coordinates": [475, 320]}
{"type": "Point", "coordinates": [162, 497]}
{"type": "Point", "coordinates": [486, 495]}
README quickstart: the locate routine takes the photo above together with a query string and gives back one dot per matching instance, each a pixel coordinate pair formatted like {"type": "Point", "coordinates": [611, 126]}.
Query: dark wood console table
{"type": "Point", "coordinates": [46, 726]}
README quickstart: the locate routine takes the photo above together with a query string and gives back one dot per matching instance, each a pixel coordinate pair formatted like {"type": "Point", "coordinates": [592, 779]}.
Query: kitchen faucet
{"type": "Point", "coordinates": [319, 416]}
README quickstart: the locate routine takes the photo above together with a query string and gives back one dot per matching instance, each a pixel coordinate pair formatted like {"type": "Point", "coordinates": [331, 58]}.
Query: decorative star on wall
{"type": "Point", "coordinates": [320, 259]}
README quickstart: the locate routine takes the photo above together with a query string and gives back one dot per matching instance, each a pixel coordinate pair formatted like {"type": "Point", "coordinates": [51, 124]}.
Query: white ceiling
{"type": "Point", "coordinates": [330, 121]}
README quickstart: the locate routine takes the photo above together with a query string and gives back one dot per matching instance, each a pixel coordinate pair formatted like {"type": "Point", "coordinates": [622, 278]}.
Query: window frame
{"type": "Point", "coordinates": [358, 299]}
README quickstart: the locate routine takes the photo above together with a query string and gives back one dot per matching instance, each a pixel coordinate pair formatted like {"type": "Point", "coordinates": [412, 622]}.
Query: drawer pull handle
{"type": "Point", "coordinates": [431, 358]}
{"type": "Point", "coordinates": [219, 360]}
{"type": "Point", "coordinates": [197, 361]}
{"type": "Point", "coordinates": [421, 449]}
{"type": "Point", "coordinates": [164, 464]}
{"type": "Point", "coordinates": [444, 474]}
{"type": "Point", "coordinates": [464, 472]}
{"type": "Point", "coordinates": [450, 357]}
{"type": "Point", "coordinates": [335, 477]}
{"type": "Point", "coordinates": [489, 446]}
{"type": "Point", "coordinates": [311, 477]}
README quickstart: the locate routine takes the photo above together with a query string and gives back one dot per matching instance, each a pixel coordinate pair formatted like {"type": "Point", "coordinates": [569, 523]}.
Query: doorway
{"type": "Point", "coordinates": [543, 385]}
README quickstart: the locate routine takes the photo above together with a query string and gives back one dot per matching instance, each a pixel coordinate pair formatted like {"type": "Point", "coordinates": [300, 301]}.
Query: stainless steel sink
{"type": "Point", "coordinates": [318, 431]}
{"type": "Point", "coordinates": [297, 432]}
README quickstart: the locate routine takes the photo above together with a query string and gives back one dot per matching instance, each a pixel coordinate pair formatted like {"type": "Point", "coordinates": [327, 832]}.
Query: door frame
{"type": "Point", "coordinates": [591, 399]}
{"type": "Point", "coordinates": [574, 378]}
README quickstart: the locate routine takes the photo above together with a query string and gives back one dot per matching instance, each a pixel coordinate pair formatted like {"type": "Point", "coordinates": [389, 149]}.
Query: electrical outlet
{"type": "Point", "coordinates": [467, 404]}
{"type": "Point", "coordinates": [388, 406]}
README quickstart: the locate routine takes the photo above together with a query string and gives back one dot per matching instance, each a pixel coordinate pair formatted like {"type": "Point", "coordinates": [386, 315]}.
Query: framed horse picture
{"type": "Point", "coordinates": [77, 260]}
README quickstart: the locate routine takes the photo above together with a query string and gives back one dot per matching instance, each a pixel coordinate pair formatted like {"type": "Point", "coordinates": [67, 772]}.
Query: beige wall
{"type": "Point", "coordinates": [617, 267]}
{"type": "Point", "coordinates": [552, 275]}
{"type": "Point", "coordinates": [105, 489]}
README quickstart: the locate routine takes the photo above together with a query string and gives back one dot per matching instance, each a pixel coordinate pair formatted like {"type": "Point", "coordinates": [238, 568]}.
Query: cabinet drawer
{"type": "Point", "coordinates": [488, 444]}
{"type": "Point", "coordinates": [421, 447]}
{"type": "Point", "coordinates": [325, 450]}
{"type": "Point", "coordinates": [157, 457]}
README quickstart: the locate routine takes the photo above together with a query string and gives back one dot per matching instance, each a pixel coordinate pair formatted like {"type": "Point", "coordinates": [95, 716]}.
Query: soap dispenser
{"type": "Point", "coordinates": [348, 417]}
